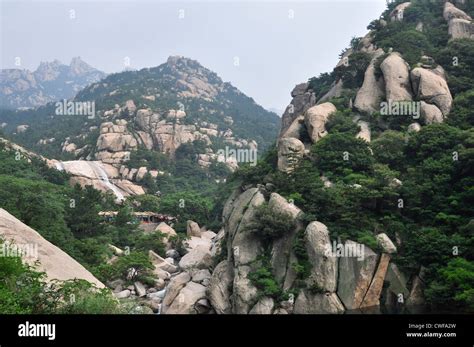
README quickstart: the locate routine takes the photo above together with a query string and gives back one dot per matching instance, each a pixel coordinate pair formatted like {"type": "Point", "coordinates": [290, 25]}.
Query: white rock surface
{"type": "Point", "coordinates": [397, 78]}
{"type": "Point", "coordinates": [57, 264]}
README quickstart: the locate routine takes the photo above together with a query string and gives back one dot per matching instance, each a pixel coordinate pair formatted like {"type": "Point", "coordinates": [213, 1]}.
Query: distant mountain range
{"type": "Point", "coordinates": [51, 81]}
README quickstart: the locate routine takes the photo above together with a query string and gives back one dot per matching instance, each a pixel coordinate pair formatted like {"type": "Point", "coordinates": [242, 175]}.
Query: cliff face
{"type": "Point", "coordinates": [346, 276]}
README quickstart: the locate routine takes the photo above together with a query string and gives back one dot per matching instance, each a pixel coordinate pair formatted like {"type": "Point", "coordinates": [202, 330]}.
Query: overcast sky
{"type": "Point", "coordinates": [276, 44]}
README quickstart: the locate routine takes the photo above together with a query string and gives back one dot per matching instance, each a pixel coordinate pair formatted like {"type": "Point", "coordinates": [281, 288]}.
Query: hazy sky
{"type": "Point", "coordinates": [276, 44]}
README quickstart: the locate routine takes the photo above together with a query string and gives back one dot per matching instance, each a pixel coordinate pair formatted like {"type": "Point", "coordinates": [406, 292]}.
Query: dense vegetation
{"type": "Point", "coordinates": [416, 187]}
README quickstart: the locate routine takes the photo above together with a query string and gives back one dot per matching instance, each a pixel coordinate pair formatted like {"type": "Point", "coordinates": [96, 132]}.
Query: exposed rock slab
{"type": "Point", "coordinates": [295, 129]}
{"type": "Point", "coordinates": [372, 92]}
{"type": "Point", "coordinates": [397, 281]}
{"type": "Point", "coordinates": [372, 297]}
{"type": "Point", "coordinates": [430, 113]}
{"type": "Point", "coordinates": [290, 151]}
{"type": "Point", "coordinates": [396, 74]}
{"type": "Point", "coordinates": [385, 243]}
{"type": "Point", "coordinates": [451, 12]}
{"type": "Point", "coordinates": [461, 29]}
{"type": "Point", "coordinates": [307, 303]}
{"type": "Point", "coordinates": [57, 264]}
{"type": "Point", "coordinates": [364, 132]}
{"type": "Point", "coordinates": [198, 258]}
{"type": "Point", "coordinates": [174, 287]}
{"type": "Point", "coordinates": [299, 104]}
{"type": "Point", "coordinates": [263, 306]}
{"type": "Point", "coordinates": [219, 289]}
{"type": "Point", "coordinates": [244, 295]}
{"type": "Point", "coordinates": [281, 250]}
{"type": "Point", "coordinates": [246, 245]}
{"type": "Point", "coordinates": [416, 294]}
{"type": "Point", "coordinates": [431, 88]}
{"type": "Point", "coordinates": [355, 276]}
{"type": "Point", "coordinates": [315, 119]}
{"type": "Point", "coordinates": [324, 268]}
{"type": "Point", "coordinates": [185, 301]}
{"type": "Point", "coordinates": [397, 13]}
{"type": "Point", "coordinates": [192, 229]}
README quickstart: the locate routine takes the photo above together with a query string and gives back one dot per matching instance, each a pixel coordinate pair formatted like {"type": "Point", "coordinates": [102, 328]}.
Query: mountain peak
{"type": "Point", "coordinates": [52, 80]}
{"type": "Point", "coordinates": [179, 59]}
{"type": "Point", "coordinates": [187, 65]}
{"type": "Point", "coordinates": [79, 66]}
{"type": "Point", "coordinates": [48, 71]}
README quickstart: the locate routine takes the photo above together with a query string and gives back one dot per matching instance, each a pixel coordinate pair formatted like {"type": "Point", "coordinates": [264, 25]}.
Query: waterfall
{"type": "Point", "coordinates": [91, 170]}
{"type": "Point", "coordinates": [102, 175]}
{"type": "Point", "coordinates": [59, 165]}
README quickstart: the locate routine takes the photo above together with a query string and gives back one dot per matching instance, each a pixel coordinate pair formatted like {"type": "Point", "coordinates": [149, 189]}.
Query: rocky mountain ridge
{"type": "Point", "coordinates": [51, 81]}
{"type": "Point", "coordinates": [155, 110]}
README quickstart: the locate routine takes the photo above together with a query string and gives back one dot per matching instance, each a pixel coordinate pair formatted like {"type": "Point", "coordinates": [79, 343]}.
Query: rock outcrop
{"type": "Point", "coordinates": [364, 132]}
{"type": "Point", "coordinates": [355, 276]}
{"type": "Point", "coordinates": [42, 254]}
{"type": "Point", "coordinates": [290, 150]}
{"type": "Point", "coordinates": [324, 268]}
{"type": "Point", "coordinates": [336, 282]}
{"type": "Point", "coordinates": [115, 142]}
{"type": "Point", "coordinates": [372, 297]}
{"type": "Point", "coordinates": [263, 306]}
{"type": "Point", "coordinates": [396, 74]}
{"type": "Point", "coordinates": [398, 12]}
{"type": "Point", "coordinates": [198, 258]}
{"type": "Point", "coordinates": [432, 88]}
{"type": "Point", "coordinates": [299, 104]}
{"type": "Point", "coordinates": [460, 24]}
{"type": "Point", "coordinates": [327, 303]}
{"type": "Point", "coordinates": [101, 176]}
{"type": "Point", "coordinates": [430, 113]}
{"type": "Point", "coordinates": [335, 91]}
{"type": "Point", "coordinates": [372, 92]}
{"type": "Point", "coordinates": [219, 290]}
{"type": "Point", "coordinates": [185, 302]}
{"type": "Point", "coordinates": [315, 119]}
{"type": "Point", "coordinates": [295, 129]}
{"type": "Point", "coordinates": [385, 243]}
